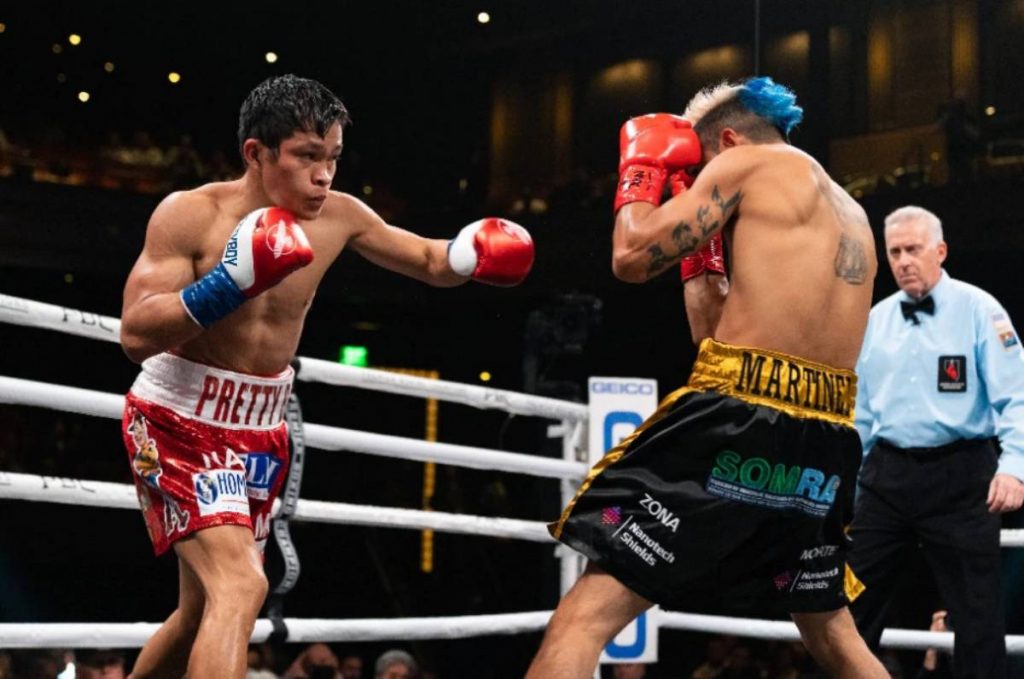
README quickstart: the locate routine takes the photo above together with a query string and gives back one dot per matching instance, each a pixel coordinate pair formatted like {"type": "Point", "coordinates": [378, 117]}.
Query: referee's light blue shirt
{"type": "Point", "coordinates": [957, 375]}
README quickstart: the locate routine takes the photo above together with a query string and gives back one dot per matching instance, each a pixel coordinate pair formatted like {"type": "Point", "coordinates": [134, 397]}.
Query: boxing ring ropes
{"type": "Point", "coordinates": [571, 428]}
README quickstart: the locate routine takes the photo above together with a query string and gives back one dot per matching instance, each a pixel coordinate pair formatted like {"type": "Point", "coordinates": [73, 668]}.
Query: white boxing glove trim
{"type": "Point", "coordinates": [462, 257]}
{"type": "Point", "coordinates": [239, 263]}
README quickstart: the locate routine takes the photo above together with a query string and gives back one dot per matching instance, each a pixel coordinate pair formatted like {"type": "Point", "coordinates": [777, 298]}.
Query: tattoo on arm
{"type": "Point", "coordinates": [683, 239]}
{"type": "Point", "coordinates": [659, 260]}
{"type": "Point", "coordinates": [851, 262]}
{"type": "Point", "coordinates": [724, 205]}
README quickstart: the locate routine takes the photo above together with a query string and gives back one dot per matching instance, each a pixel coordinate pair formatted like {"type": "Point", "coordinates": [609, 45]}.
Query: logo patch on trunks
{"type": "Point", "coordinates": [660, 512]}
{"type": "Point", "coordinates": [146, 461]}
{"type": "Point", "coordinates": [220, 490]}
{"type": "Point", "coordinates": [756, 481]}
{"type": "Point", "coordinates": [261, 470]}
{"type": "Point", "coordinates": [782, 580]}
{"type": "Point", "coordinates": [952, 373]}
{"type": "Point", "coordinates": [611, 516]}
{"type": "Point", "coordinates": [175, 518]}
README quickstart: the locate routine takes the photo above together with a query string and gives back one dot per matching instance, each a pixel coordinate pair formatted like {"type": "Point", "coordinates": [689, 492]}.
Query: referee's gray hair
{"type": "Point", "coordinates": [913, 212]}
{"type": "Point", "coordinates": [394, 657]}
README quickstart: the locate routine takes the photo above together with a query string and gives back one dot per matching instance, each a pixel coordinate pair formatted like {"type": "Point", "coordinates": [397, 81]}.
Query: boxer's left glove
{"type": "Point", "coordinates": [266, 246]}
{"type": "Point", "coordinates": [650, 148]}
{"type": "Point", "coordinates": [492, 250]}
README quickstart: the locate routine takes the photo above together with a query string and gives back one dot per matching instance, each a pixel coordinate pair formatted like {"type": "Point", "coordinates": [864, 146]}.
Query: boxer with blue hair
{"type": "Point", "coordinates": [734, 495]}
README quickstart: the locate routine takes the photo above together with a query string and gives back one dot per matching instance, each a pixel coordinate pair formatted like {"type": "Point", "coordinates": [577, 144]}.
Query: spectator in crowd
{"type": "Point", "coordinates": [44, 663]}
{"type": "Point", "coordinates": [104, 663]}
{"type": "Point", "coordinates": [259, 663]}
{"type": "Point", "coordinates": [717, 654]}
{"type": "Point", "coordinates": [936, 664]}
{"type": "Point", "coordinates": [629, 670]}
{"type": "Point", "coordinates": [317, 661]}
{"type": "Point", "coordinates": [351, 666]}
{"type": "Point", "coordinates": [740, 664]}
{"type": "Point", "coordinates": [396, 664]}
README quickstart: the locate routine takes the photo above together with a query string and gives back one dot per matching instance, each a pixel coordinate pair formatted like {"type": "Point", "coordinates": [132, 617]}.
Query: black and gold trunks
{"type": "Point", "coordinates": [734, 494]}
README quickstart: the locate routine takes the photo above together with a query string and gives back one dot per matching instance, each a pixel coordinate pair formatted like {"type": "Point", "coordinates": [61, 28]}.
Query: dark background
{"type": "Point", "coordinates": [453, 120]}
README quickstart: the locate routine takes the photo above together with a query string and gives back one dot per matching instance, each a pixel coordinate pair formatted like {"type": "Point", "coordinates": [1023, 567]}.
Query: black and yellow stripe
{"type": "Point", "coordinates": [795, 386]}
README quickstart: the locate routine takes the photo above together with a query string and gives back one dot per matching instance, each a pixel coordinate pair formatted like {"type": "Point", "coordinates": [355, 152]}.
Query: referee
{"type": "Point", "coordinates": [941, 378]}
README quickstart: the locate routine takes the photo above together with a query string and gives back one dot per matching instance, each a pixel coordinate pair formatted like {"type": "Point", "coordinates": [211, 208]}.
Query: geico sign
{"type": "Point", "coordinates": [629, 388]}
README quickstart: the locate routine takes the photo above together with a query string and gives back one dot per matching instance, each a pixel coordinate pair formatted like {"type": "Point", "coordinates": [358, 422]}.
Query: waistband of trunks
{"type": "Point", "coordinates": [222, 398]}
{"type": "Point", "coordinates": [793, 385]}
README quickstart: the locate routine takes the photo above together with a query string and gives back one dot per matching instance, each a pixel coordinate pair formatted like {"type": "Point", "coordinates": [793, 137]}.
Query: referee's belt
{"type": "Point", "coordinates": [925, 454]}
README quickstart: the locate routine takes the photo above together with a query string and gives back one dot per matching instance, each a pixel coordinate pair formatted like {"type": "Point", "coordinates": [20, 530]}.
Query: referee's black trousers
{"type": "Point", "coordinates": [935, 498]}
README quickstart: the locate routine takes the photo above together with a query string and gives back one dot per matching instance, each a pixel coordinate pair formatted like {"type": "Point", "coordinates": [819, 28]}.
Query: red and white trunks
{"type": "Point", "coordinates": [207, 447]}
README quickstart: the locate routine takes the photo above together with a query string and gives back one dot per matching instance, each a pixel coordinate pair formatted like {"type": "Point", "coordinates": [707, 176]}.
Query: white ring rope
{"type": "Point", "coordinates": [34, 314]}
{"type": "Point", "coordinates": [78, 492]}
{"type": "Point", "coordinates": [20, 311]}
{"type": "Point", "coordinates": [122, 496]}
{"type": "Point", "coordinates": [779, 630]}
{"type": "Point", "coordinates": [317, 370]}
{"type": "Point", "coordinates": [101, 404]}
{"type": "Point", "coordinates": [134, 635]}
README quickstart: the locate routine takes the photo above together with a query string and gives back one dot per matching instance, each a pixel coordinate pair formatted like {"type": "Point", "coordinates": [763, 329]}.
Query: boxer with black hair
{"type": "Point", "coordinates": [215, 327]}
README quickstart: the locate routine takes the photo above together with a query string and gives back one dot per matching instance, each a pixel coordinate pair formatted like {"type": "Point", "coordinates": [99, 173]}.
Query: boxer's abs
{"type": "Point", "coordinates": [248, 341]}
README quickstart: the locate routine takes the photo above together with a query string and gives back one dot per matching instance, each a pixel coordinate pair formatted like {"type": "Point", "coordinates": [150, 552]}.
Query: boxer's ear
{"type": "Point", "coordinates": [251, 149]}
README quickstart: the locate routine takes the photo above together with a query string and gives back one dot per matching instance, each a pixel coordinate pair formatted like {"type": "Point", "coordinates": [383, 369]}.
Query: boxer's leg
{"type": "Point", "coordinates": [833, 641]}
{"type": "Point", "coordinates": [166, 653]}
{"type": "Point", "coordinates": [228, 567]}
{"type": "Point", "coordinates": [588, 617]}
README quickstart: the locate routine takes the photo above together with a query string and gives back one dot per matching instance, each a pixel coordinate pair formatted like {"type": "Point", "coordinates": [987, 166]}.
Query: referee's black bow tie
{"type": "Point", "coordinates": [910, 309]}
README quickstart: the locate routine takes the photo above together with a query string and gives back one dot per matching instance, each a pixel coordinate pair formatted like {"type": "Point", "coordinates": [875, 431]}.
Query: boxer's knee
{"type": "Point", "coordinates": [226, 564]}
{"type": "Point", "coordinates": [241, 587]}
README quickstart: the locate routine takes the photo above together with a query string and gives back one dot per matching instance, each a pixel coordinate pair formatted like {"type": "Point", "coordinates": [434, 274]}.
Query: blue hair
{"type": "Point", "coordinates": [773, 102]}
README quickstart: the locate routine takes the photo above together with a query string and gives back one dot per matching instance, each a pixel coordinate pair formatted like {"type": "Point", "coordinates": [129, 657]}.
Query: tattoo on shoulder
{"type": "Point", "coordinates": [851, 263]}
{"type": "Point", "coordinates": [684, 240]}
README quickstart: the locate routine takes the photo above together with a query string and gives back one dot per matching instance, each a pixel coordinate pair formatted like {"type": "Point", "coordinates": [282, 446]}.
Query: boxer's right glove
{"type": "Point", "coordinates": [710, 258]}
{"type": "Point", "coordinates": [651, 147]}
{"type": "Point", "coordinates": [267, 245]}
{"type": "Point", "coordinates": [494, 251]}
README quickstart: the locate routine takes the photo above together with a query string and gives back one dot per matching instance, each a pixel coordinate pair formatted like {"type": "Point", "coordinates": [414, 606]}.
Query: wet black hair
{"type": "Point", "coordinates": [279, 106]}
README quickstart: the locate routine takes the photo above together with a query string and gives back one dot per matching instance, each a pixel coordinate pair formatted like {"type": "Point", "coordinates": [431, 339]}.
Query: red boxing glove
{"type": "Point", "coordinates": [679, 181]}
{"type": "Point", "coordinates": [710, 259]}
{"type": "Point", "coordinates": [267, 245]}
{"type": "Point", "coordinates": [651, 147]}
{"type": "Point", "coordinates": [492, 250]}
